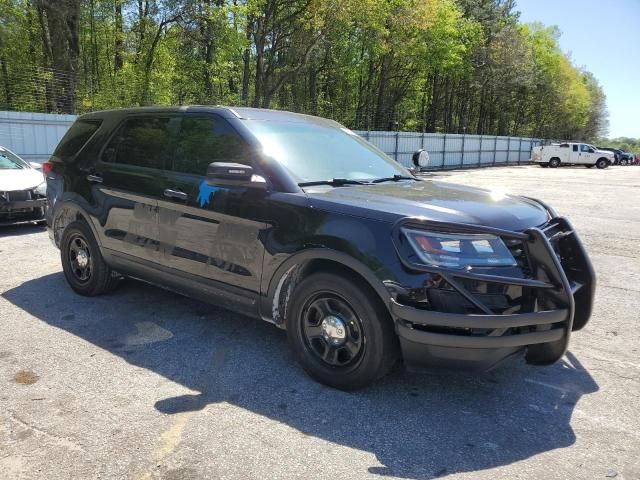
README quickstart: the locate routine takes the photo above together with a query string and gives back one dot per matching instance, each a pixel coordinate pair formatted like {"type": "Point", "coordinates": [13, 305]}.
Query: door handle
{"type": "Point", "coordinates": [94, 178]}
{"type": "Point", "coordinates": [175, 194]}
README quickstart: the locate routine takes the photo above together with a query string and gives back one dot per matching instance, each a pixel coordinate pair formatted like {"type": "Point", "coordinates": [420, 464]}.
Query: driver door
{"type": "Point", "coordinates": [207, 231]}
{"type": "Point", "coordinates": [587, 155]}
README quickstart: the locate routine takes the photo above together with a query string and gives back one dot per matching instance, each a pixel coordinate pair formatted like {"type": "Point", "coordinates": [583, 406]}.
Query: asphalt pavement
{"type": "Point", "coordinates": [146, 384]}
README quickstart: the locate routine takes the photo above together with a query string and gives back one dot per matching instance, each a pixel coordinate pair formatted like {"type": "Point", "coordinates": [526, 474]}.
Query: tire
{"type": "Point", "coordinates": [545, 353]}
{"type": "Point", "coordinates": [602, 163]}
{"type": "Point", "coordinates": [82, 263]}
{"type": "Point", "coordinates": [554, 162]}
{"type": "Point", "coordinates": [623, 163]}
{"type": "Point", "coordinates": [364, 346]}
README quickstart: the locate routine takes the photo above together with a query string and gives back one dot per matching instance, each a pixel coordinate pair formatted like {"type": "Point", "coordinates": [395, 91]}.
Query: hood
{"type": "Point", "coordinates": [438, 201]}
{"type": "Point", "coordinates": [20, 179]}
{"type": "Point", "coordinates": [605, 152]}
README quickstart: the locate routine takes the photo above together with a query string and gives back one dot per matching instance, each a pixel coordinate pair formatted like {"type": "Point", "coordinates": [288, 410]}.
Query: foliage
{"type": "Point", "coordinates": [427, 65]}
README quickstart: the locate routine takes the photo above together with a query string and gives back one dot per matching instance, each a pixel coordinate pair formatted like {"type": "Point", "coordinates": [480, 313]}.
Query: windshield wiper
{"type": "Point", "coordinates": [395, 178]}
{"type": "Point", "coordinates": [334, 182]}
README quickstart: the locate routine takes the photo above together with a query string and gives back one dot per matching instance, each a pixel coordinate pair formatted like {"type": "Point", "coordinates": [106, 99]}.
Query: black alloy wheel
{"type": "Point", "coordinates": [84, 268]}
{"type": "Point", "coordinates": [332, 331]}
{"type": "Point", "coordinates": [80, 258]}
{"type": "Point", "coordinates": [340, 330]}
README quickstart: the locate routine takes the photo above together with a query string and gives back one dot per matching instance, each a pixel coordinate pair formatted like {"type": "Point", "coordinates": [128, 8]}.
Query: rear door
{"type": "Point", "coordinates": [210, 231]}
{"type": "Point", "coordinates": [130, 178]}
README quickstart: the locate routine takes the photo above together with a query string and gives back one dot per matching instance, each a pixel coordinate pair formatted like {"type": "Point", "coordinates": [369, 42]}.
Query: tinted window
{"type": "Point", "coordinates": [143, 141]}
{"type": "Point", "coordinates": [76, 138]}
{"type": "Point", "coordinates": [575, 148]}
{"type": "Point", "coordinates": [203, 140]}
{"type": "Point", "coordinates": [564, 145]}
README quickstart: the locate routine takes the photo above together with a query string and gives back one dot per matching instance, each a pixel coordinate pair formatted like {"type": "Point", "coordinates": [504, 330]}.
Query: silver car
{"type": "Point", "coordinates": [23, 190]}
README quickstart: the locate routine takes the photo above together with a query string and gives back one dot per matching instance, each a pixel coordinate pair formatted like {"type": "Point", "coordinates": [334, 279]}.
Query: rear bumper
{"type": "Point", "coordinates": [21, 211]}
{"type": "Point", "coordinates": [562, 282]}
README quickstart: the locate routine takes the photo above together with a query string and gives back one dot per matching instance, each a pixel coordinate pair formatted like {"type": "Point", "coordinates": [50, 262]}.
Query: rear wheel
{"type": "Point", "coordinates": [602, 163]}
{"type": "Point", "coordinates": [554, 162]}
{"type": "Point", "coordinates": [82, 263]}
{"type": "Point", "coordinates": [340, 331]}
{"type": "Point", "coordinates": [623, 163]}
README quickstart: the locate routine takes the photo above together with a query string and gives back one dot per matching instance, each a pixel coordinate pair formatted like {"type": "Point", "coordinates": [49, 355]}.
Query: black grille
{"type": "Point", "coordinates": [19, 195]}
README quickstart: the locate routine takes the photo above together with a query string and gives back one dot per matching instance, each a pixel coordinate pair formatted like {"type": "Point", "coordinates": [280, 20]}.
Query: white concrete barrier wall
{"type": "Point", "coordinates": [34, 137]}
{"type": "Point", "coordinates": [453, 150]}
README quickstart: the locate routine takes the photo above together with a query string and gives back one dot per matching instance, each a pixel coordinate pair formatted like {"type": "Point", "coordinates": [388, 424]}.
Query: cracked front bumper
{"type": "Point", "coordinates": [560, 287]}
{"type": "Point", "coordinates": [21, 211]}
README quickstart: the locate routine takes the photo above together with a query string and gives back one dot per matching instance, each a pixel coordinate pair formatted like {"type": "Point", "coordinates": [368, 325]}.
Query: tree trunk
{"type": "Point", "coordinates": [381, 119]}
{"type": "Point", "coordinates": [5, 83]}
{"type": "Point", "coordinates": [246, 61]}
{"type": "Point", "coordinates": [119, 40]}
{"type": "Point", "coordinates": [259, 43]}
{"type": "Point", "coordinates": [62, 37]}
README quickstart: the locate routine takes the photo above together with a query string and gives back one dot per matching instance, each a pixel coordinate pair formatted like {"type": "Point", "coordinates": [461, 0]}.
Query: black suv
{"type": "Point", "coordinates": [298, 221]}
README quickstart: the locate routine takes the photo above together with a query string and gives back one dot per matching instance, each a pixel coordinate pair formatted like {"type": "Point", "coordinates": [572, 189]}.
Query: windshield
{"type": "Point", "coordinates": [10, 161]}
{"type": "Point", "coordinates": [313, 153]}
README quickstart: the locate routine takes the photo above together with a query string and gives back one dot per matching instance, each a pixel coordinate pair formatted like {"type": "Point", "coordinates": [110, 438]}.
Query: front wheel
{"type": "Point", "coordinates": [340, 331]}
{"type": "Point", "coordinates": [602, 163]}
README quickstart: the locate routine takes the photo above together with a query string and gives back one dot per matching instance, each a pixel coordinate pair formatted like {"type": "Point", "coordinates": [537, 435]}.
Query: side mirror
{"type": "Point", "coordinates": [591, 150]}
{"type": "Point", "coordinates": [421, 158]}
{"type": "Point", "coordinates": [233, 175]}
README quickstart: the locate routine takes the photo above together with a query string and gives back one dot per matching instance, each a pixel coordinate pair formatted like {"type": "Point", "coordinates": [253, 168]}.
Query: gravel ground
{"type": "Point", "coordinates": [145, 384]}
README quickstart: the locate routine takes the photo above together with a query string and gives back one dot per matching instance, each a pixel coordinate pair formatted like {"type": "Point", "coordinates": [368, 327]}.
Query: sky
{"type": "Point", "coordinates": [603, 36]}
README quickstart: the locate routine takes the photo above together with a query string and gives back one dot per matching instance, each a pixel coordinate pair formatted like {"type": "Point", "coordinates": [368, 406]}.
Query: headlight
{"type": "Point", "coordinates": [41, 189]}
{"type": "Point", "coordinates": [459, 250]}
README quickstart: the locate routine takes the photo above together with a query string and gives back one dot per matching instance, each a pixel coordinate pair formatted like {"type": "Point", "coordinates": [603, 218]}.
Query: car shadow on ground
{"type": "Point", "coordinates": [20, 229]}
{"type": "Point", "coordinates": [417, 425]}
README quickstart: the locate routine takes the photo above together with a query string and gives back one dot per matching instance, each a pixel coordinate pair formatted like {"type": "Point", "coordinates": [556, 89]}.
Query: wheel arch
{"type": "Point", "coordinates": [281, 285]}
{"type": "Point", "coordinates": [65, 213]}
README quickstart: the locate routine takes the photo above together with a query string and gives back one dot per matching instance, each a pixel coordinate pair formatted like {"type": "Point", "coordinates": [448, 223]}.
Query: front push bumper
{"type": "Point", "coordinates": [560, 286]}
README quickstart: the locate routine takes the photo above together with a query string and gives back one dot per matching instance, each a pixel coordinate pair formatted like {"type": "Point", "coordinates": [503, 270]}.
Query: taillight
{"type": "Point", "coordinates": [47, 167]}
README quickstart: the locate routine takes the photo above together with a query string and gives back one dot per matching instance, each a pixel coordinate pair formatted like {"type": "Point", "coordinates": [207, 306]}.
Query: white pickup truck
{"type": "Point", "coordinates": [558, 154]}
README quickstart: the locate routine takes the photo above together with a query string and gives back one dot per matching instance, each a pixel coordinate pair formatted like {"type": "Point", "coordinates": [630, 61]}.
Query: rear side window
{"type": "Point", "coordinates": [143, 141]}
{"type": "Point", "coordinates": [575, 148]}
{"type": "Point", "coordinates": [203, 140]}
{"type": "Point", "coordinates": [76, 138]}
